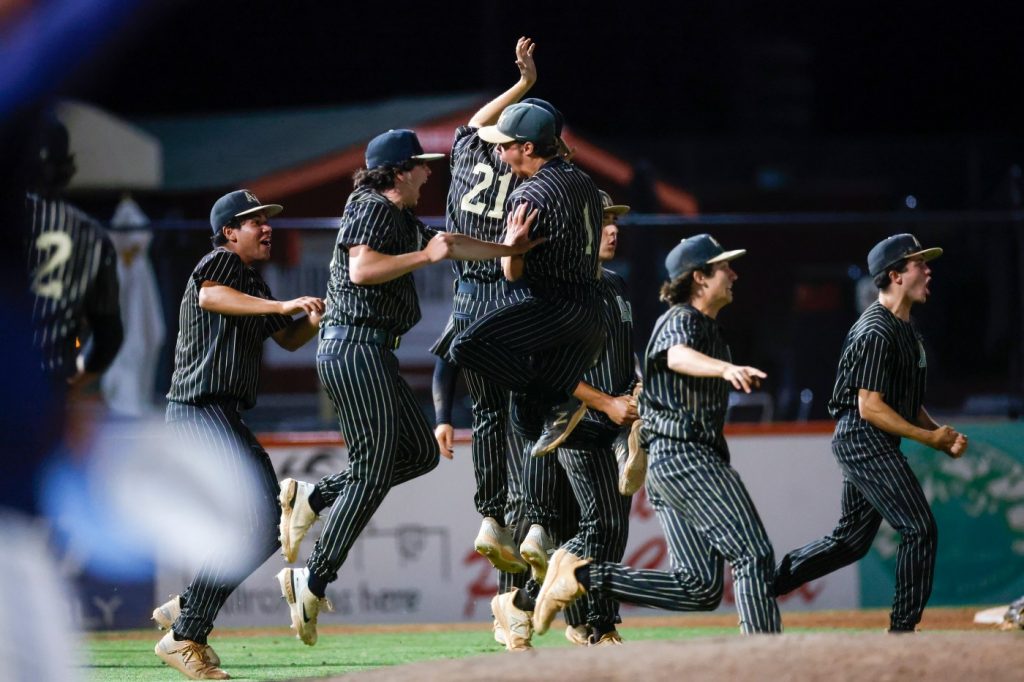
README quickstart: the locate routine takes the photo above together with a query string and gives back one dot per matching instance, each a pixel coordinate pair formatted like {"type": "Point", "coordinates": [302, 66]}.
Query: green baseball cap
{"type": "Point", "coordinates": [521, 122]}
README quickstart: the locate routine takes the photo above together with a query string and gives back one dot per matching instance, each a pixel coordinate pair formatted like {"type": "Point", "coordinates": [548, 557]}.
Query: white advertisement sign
{"type": "Point", "coordinates": [415, 561]}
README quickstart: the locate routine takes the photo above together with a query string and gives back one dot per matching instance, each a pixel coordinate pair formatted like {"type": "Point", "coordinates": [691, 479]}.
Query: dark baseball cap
{"type": "Point", "coordinates": [608, 206]}
{"type": "Point", "coordinates": [696, 252]}
{"type": "Point", "coordinates": [895, 248]}
{"type": "Point", "coordinates": [237, 204]}
{"type": "Point", "coordinates": [522, 122]}
{"type": "Point", "coordinates": [395, 147]}
{"type": "Point", "coordinates": [550, 108]}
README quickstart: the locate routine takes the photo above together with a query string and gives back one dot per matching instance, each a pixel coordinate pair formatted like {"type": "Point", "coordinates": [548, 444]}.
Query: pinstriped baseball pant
{"type": "Point", "coordinates": [540, 346]}
{"type": "Point", "coordinates": [876, 485]}
{"type": "Point", "coordinates": [708, 517]}
{"type": "Point", "coordinates": [530, 477]}
{"type": "Point", "coordinates": [604, 517]}
{"type": "Point", "coordinates": [218, 429]}
{"type": "Point", "coordinates": [389, 442]}
{"type": "Point", "coordinates": [490, 401]}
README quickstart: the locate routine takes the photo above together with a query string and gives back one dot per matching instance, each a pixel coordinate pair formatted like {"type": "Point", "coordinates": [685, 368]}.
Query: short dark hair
{"type": "Point", "coordinates": [681, 289]}
{"type": "Point", "coordinates": [383, 177]}
{"type": "Point", "coordinates": [882, 280]}
{"type": "Point", "coordinates": [219, 239]}
{"type": "Point", "coordinates": [546, 149]}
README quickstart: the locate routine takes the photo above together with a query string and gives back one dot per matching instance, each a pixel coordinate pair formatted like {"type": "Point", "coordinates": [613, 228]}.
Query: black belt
{"type": "Point", "coordinates": [502, 287]}
{"type": "Point", "coordinates": [378, 337]}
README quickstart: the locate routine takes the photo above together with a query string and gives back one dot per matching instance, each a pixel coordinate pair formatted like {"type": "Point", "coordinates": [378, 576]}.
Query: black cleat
{"type": "Point", "coordinates": [558, 424]}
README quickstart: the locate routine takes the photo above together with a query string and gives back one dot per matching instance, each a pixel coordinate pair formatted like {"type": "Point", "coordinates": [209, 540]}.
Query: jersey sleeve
{"type": "Point", "coordinates": [465, 139]}
{"type": "Point", "coordinates": [366, 224]}
{"type": "Point", "coordinates": [679, 330]}
{"type": "Point", "coordinates": [533, 200]}
{"type": "Point", "coordinates": [426, 233]}
{"type": "Point", "coordinates": [222, 267]}
{"type": "Point", "coordinates": [869, 363]}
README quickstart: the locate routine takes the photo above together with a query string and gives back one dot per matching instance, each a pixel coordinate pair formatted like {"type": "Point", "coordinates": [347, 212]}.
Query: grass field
{"type": "Point", "coordinates": [281, 657]}
{"type": "Point", "coordinates": [274, 654]}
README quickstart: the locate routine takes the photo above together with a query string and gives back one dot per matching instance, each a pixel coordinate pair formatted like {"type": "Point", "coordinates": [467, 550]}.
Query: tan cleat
{"type": "Point", "coordinates": [578, 635]}
{"type": "Point", "coordinates": [168, 612]}
{"type": "Point", "coordinates": [612, 638]}
{"type": "Point", "coordinates": [560, 589]}
{"type": "Point", "coordinates": [514, 621]}
{"type": "Point", "coordinates": [188, 657]}
{"type": "Point", "coordinates": [297, 517]}
{"type": "Point", "coordinates": [304, 605]}
{"type": "Point", "coordinates": [632, 461]}
{"type": "Point", "coordinates": [495, 543]}
{"type": "Point", "coordinates": [535, 550]}
{"type": "Point", "coordinates": [499, 632]}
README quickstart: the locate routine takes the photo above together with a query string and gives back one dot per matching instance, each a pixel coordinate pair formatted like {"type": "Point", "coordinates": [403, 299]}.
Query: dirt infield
{"type": "Point", "coordinates": [835, 657]}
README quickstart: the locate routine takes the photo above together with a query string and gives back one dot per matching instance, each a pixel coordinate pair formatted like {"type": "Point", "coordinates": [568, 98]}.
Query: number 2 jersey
{"type": "Point", "coordinates": [481, 182]}
{"type": "Point", "coordinates": [73, 269]}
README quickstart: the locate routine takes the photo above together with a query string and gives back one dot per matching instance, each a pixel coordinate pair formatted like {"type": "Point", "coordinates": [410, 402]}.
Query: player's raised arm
{"type": "Point", "coordinates": [489, 112]}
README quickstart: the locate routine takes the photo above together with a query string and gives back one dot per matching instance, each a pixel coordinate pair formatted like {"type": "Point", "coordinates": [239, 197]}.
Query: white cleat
{"type": "Point", "coordinates": [495, 543]}
{"type": "Point", "coordinates": [304, 605]}
{"type": "Point", "coordinates": [297, 517]}
{"type": "Point", "coordinates": [535, 549]}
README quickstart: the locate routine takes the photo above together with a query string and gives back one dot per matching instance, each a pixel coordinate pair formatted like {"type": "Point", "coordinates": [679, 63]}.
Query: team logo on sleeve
{"type": "Point", "coordinates": [625, 310]}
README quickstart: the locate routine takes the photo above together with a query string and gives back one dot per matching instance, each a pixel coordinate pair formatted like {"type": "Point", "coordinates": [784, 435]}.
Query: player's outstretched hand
{"type": "Point", "coordinates": [959, 446]}
{"type": "Point", "coordinates": [524, 60]}
{"type": "Point", "coordinates": [517, 229]}
{"type": "Point", "coordinates": [445, 435]}
{"type": "Point", "coordinates": [743, 378]}
{"type": "Point", "coordinates": [311, 305]}
{"type": "Point", "coordinates": [622, 410]}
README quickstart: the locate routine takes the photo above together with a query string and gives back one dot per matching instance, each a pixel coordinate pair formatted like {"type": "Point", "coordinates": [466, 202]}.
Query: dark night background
{"type": "Point", "coordinates": [753, 107]}
{"type": "Point", "coordinates": [698, 67]}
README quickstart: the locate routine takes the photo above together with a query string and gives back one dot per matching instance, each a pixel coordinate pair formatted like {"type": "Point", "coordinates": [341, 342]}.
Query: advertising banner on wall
{"type": "Point", "coordinates": [415, 561]}
{"type": "Point", "coordinates": [978, 502]}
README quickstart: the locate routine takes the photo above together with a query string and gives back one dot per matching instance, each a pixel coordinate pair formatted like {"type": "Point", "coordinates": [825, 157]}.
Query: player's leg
{"type": "Point", "coordinates": [500, 345]}
{"type": "Point", "coordinates": [849, 541]}
{"type": "Point", "coordinates": [888, 482]}
{"type": "Point", "coordinates": [363, 383]}
{"type": "Point", "coordinates": [220, 431]}
{"type": "Point", "coordinates": [603, 527]}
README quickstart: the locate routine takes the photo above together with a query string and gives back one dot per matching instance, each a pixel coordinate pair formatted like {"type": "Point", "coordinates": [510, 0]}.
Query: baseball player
{"type": "Point", "coordinates": [371, 302]}
{"type": "Point", "coordinates": [704, 508]}
{"type": "Point", "coordinates": [226, 314]}
{"type": "Point", "coordinates": [877, 400]}
{"type": "Point", "coordinates": [476, 207]}
{"type": "Point", "coordinates": [73, 269]}
{"type": "Point", "coordinates": [539, 347]}
{"type": "Point", "coordinates": [587, 457]}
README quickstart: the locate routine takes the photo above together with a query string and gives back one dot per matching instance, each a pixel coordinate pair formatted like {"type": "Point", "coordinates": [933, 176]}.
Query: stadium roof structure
{"type": "Point", "coordinates": [282, 152]}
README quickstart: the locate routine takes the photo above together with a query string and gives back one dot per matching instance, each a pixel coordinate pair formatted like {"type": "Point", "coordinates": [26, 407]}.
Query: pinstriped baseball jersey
{"type": "Point", "coordinates": [569, 217]}
{"type": "Point", "coordinates": [73, 268]}
{"type": "Point", "coordinates": [218, 357]}
{"type": "Point", "coordinates": [476, 199]}
{"type": "Point", "coordinates": [615, 371]}
{"type": "Point", "coordinates": [881, 353]}
{"type": "Point", "coordinates": [372, 220]}
{"type": "Point", "coordinates": [680, 406]}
